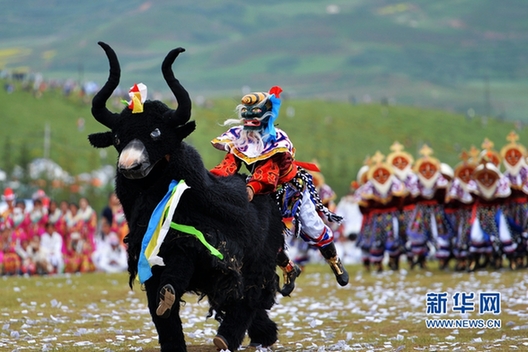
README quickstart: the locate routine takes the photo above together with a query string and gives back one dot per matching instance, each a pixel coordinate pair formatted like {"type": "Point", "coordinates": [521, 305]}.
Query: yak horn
{"type": "Point", "coordinates": [99, 110]}
{"type": "Point", "coordinates": [182, 114]}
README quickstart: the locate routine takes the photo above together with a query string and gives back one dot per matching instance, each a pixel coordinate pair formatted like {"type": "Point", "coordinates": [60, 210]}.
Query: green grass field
{"type": "Point", "coordinates": [375, 312]}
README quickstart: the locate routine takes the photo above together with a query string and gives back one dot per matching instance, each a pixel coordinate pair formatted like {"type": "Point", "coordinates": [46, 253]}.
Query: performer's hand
{"type": "Point", "coordinates": [250, 193]}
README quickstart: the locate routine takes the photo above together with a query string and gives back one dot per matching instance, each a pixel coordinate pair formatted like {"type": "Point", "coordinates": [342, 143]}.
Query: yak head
{"type": "Point", "coordinates": [144, 140]}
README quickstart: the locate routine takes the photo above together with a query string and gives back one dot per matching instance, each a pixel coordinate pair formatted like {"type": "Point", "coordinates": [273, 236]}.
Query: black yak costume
{"type": "Point", "coordinates": [219, 245]}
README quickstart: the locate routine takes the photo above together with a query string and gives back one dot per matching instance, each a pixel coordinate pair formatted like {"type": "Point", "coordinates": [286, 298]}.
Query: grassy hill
{"type": "Point", "coordinates": [453, 54]}
{"type": "Point", "coordinates": [338, 134]}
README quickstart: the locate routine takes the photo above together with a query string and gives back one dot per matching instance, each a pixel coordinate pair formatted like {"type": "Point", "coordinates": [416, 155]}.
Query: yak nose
{"type": "Point", "coordinates": [133, 156]}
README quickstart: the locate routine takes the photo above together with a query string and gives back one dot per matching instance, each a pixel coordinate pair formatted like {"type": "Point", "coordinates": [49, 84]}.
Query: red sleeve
{"type": "Point", "coordinates": [228, 166]}
{"type": "Point", "coordinates": [265, 177]}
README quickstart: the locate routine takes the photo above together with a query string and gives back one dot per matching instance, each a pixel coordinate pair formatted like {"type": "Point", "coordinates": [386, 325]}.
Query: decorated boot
{"type": "Point", "coordinates": [329, 252]}
{"type": "Point", "coordinates": [290, 272]}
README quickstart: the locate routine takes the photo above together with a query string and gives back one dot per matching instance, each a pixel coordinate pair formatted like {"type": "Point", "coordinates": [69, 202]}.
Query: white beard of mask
{"type": "Point", "coordinates": [488, 192]}
{"type": "Point", "coordinates": [251, 142]}
{"type": "Point", "coordinates": [428, 183]}
{"type": "Point", "coordinates": [515, 169]}
{"type": "Point", "coordinates": [402, 174]}
{"type": "Point", "coordinates": [384, 188]}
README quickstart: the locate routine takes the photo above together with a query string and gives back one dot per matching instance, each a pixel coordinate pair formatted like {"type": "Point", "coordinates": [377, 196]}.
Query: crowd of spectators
{"type": "Point", "coordinates": [54, 237]}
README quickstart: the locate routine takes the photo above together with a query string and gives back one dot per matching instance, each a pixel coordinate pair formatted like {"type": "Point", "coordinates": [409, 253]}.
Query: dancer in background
{"type": "Point", "coordinates": [490, 189]}
{"type": "Point", "coordinates": [402, 163]}
{"type": "Point", "coordinates": [428, 223]}
{"type": "Point", "coordinates": [516, 208]}
{"type": "Point", "coordinates": [363, 240]}
{"type": "Point", "coordinates": [382, 197]}
{"type": "Point", "coordinates": [460, 198]}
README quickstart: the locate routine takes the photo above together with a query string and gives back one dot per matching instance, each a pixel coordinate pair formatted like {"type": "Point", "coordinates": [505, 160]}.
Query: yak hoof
{"type": "Point", "coordinates": [220, 343]}
{"type": "Point", "coordinates": [167, 298]}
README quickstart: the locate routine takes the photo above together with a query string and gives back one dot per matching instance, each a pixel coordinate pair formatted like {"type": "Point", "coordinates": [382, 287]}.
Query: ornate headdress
{"type": "Point", "coordinates": [486, 166]}
{"type": "Point", "coordinates": [381, 176]}
{"type": "Point", "coordinates": [491, 154]}
{"type": "Point", "coordinates": [426, 153]}
{"type": "Point", "coordinates": [513, 137]}
{"type": "Point", "coordinates": [427, 168]}
{"type": "Point", "coordinates": [465, 168]}
{"type": "Point", "coordinates": [487, 170]}
{"type": "Point", "coordinates": [377, 162]}
{"type": "Point", "coordinates": [380, 173]}
{"type": "Point", "coordinates": [513, 154]}
{"type": "Point", "coordinates": [400, 160]}
{"type": "Point", "coordinates": [463, 174]}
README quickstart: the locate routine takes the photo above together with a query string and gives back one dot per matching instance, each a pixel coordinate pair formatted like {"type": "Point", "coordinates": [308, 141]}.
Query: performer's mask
{"type": "Point", "coordinates": [255, 111]}
{"type": "Point", "coordinates": [513, 156]}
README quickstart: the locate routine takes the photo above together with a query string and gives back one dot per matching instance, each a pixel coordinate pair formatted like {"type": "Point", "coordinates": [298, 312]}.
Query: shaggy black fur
{"type": "Point", "coordinates": [241, 287]}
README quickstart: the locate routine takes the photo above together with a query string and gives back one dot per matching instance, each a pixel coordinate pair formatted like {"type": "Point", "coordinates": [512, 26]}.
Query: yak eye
{"type": "Point", "coordinates": [116, 140]}
{"type": "Point", "coordinates": [156, 134]}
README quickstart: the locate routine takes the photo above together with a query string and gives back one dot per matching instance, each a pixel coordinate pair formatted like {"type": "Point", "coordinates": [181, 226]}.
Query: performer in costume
{"type": "Point", "coordinates": [269, 155]}
{"type": "Point", "coordinates": [363, 240]}
{"type": "Point", "coordinates": [490, 153]}
{"type": "Point", "coordinates": [402, 163]}
{"type": "Point", "coordinates": [382, 195]}
{"type": "Point", "coordinates": [446, 252]}
{"type": "Point", "coordinates": [488, 225]}
{"type": "Point", "coordinates": [516, 208]}
{"type": "Point", "coordinates": [461, 200]}
{"type": "Point", "coordinates": [429, 224]}
{"type": "Point", "coordinates": [503, 243]}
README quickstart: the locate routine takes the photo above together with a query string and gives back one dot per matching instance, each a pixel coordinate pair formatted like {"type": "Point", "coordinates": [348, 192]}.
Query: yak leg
{"type": "Point", "coordinates": [233, 327]}
{"type": "Point", "coordinates": [262, 331]}
{"type": "Point", "coordinates": [170, 332]}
